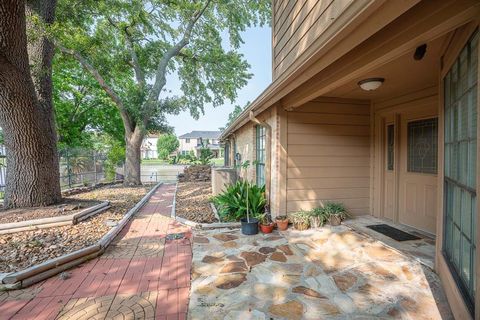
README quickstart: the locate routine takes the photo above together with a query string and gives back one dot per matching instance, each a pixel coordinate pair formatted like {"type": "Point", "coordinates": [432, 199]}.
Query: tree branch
{"type": "Point", "coordinates": [135, 64]}
{"type": "Point", "coordinates": [139, 75]}
{"type": "Point", "coordinates": [94, 72]}
{"type": "Point", "coordinates": [160, 79]}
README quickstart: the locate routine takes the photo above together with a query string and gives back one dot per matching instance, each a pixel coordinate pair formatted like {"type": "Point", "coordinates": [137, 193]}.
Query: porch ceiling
{"type": "Point", "coordinates": [402, 75]}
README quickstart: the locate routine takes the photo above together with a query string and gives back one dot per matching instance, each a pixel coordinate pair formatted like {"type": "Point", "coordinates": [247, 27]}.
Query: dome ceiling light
{"type": "Point", "coordinates": [371, 84]}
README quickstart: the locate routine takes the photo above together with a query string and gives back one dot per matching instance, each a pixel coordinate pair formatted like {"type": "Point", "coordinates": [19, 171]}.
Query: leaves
{"type": "Point", "coordinates": [123, 39]}
{"type": "Point", "coordinates": [166, 145]}
{"type": "Point", "coordinates": [232, 203]}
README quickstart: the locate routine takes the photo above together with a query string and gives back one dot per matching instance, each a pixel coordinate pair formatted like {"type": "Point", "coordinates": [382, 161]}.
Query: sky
{"type": "Point", "coordinates": [257, 51]}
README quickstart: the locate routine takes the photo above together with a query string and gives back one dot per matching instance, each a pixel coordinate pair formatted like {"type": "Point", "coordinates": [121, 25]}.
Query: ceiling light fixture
{"type": "Point", "coordinates": [371, 84]}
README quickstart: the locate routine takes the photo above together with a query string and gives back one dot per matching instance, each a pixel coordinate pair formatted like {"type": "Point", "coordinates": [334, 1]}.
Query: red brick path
{"type": "Point", "coordinates": [142, 275]}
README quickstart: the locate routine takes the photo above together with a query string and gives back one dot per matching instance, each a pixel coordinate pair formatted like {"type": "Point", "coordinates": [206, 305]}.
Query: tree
{"type": "Point", "coordinates": [206, 155]}
{"type": "Point", "coordinates": [130, 47]}
{"type": "Point", "coordinates": [82, 109]}
{"type": "Point", "coordinates": [26, 113]}
{"type": "Point", "coordinates": [166, 145]}
{"type": "Point", "coordinates": [237, 110]}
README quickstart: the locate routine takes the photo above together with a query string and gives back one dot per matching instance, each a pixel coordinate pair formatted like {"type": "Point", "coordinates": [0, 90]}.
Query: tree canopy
{"type": "Point", "coordinates": [129, 47]}
{"type": "Point", "coordinates": [166, 145]}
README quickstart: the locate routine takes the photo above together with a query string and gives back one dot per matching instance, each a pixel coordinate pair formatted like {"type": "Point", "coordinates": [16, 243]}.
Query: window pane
{"type": "Point", "coordinates": [390, 146]}
{"type": "Point", "coordinates": [260, 155]}
{"type": "Point", "coordinates": [459, 248]}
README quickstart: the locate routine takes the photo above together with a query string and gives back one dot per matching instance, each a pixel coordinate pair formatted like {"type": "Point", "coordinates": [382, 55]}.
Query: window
{"type": "Point", "coordinates": [260, 160]}
{"type": "Point", "coordinates": [227, 154]}
{"type": "Point", "coordinates": [460, 191]}
{"type": "Point", "coordinates": [390, 146]}
{"type": "Point", "coordinates": [422, 146]}
{"type": "Point", "coordinates": [187, 140]}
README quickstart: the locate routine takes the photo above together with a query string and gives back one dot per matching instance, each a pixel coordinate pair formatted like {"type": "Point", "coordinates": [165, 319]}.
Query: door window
{"type": "Point", "coordinates": [422, 146]}
{"type": "Point", "coordinates": [459, 247]}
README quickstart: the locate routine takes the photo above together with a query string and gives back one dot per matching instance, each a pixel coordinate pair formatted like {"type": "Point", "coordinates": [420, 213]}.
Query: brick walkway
{"type": "Point", "coordinates": [141, 275]}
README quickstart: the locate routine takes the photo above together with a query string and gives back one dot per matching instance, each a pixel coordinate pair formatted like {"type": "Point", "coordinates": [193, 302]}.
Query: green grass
{"type": "Point", "coordinates": [218, 162]}
{"type": "Point", "coordinates": [154, 161]}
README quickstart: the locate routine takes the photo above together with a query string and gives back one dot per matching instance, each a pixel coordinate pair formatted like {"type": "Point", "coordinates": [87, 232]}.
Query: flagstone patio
{"type": "Point", "coordinates": [328, 273]}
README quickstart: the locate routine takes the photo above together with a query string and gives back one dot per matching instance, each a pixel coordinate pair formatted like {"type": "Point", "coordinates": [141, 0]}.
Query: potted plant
{"type": "Point", "coordinates": [301, 220]}
{"type": "Point", "coordinates": [255, 204]}
{"type": "Point", "coordinates": [335, 212]}
{"type": "Point", "coordinates": [266, 223]}
{"type": "Point", "coordinates": [317, 218]}
{"type": "Point", "coordinates": [282, 222]}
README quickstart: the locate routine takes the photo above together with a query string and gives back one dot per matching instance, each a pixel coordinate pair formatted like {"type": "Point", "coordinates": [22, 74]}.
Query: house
{"type": "Point", "coordinates": [193, 142]}
{"type": "Point", "coordinates": [375, 104]}
{"type": "Point", "coordinates": [148, 148]}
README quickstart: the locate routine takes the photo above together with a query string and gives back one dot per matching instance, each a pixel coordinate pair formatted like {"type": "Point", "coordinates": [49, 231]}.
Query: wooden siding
{"type": "Point", "coordinates": [298, 23]}
{"type": "Point", "coordinates": [329, 155]}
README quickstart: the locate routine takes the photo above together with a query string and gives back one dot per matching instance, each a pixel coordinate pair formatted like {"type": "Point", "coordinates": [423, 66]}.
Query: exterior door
{"type": "Point", "coordinates": [417, 180]}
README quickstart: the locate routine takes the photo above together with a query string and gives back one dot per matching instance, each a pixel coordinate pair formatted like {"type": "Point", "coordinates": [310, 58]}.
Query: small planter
{"type": "Point", "coordinates": [301, 225]}
{"type": "Point", "coordinates": [335, 220]}
{"type": "Point", "coordinates": [249, 228]}
{"type": "Point", "coordinates": [315, 222]}
{"type": "Point", "coordinates": [267, 228]}
{"type": "Point", "coordinates": [282, 224]}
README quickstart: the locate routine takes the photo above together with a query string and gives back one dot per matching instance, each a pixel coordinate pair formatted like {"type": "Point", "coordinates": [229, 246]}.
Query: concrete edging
{"type": "Point", "coordinates": [46, 269]}
{"type": "Point", "coordinates": [197, 225]}
{"type": "Point", "coordinates": [42, 223]}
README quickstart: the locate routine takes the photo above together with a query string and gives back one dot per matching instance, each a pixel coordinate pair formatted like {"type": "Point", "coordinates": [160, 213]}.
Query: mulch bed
{"type": "Point", "coordinates": [23, 249]}
{"type": "Point", "coordinates": [66, 207]}
{"type": "Point", "coordinates": [193, 202]}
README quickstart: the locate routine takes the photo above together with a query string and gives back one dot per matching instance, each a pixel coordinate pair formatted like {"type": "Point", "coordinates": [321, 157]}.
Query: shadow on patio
{"type": "Point", "coordinates": [327, 273]}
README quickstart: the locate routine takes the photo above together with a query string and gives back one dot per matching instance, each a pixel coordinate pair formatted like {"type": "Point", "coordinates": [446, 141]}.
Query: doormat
{"type": "Point", "coordinates": [392, 232]}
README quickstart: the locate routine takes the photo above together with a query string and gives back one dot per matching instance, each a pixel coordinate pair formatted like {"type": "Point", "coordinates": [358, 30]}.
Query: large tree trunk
{"type": "Point", "coordinates": [32, 163]}
{"type": "Point", "coordinates": [40, 53]}
{"type": "Point", "coordinates": [133, 143]}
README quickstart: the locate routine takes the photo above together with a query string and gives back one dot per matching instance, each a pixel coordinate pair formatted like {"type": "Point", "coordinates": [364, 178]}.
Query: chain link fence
{"type": "Point", "coordinates": [78, 167]}
{"type": "Point", "coordinates": [82, 167]}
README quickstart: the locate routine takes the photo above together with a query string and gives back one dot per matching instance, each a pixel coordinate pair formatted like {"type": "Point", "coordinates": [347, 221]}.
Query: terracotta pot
{"type": "Point", "coordinates": [282, 224]}
{"type": "Point", "coordinates": [301, 225]}
{"type": "Point", "coordinates": [335, 220]}
{"type": "Point", "coordinates": [266, 228]}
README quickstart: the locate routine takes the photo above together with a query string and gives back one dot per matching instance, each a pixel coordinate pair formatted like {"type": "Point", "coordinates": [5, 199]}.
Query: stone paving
{"type": "Point", "coordinates": [328, 273]}
{"type": "Point", "coordinates": [141, 275]}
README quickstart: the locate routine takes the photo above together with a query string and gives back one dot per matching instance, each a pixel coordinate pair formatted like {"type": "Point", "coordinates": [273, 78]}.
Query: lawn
{"type": "Point", "coordinates": [154, 161]}
{"type": "Point", "coordinates": [218, 162]}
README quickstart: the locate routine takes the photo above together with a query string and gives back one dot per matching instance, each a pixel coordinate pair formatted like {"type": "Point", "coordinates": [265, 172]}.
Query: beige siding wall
{"type": "Point", "coordinates": [328, 155]}
{"type": "Point", "coordinates": [246, 145]}
{"type": "Point", "coordinates": [297, 24]}
{"type": "Point", "coordinates": [245, 142]}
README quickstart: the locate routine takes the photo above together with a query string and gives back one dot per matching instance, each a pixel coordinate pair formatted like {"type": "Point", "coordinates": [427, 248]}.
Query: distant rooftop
{"type": "Point", "coordinates": [201, 134]}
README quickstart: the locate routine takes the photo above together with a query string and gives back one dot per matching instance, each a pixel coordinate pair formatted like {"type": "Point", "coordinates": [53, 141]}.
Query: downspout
{"type": "Point", "coordinates": [268, 149]}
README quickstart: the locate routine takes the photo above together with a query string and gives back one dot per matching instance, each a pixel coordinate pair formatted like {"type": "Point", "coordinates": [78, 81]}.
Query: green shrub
{"type": "Point", "coordinates": [301, 216]}
{"type": "Point", "coordinates": [232, 203]}
{"type": "Point", "coordinates": [206, 155]}
{"type": "Point", "coordinates": [335, 208]}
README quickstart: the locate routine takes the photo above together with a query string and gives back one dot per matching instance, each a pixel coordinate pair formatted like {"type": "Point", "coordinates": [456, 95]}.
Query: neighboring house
{"type": "Point", "coordinates": [405, 152]}
{"type": "Point", "coordinates": [149, 147]}
{"type": "Point", "coordinates": [193, 141]}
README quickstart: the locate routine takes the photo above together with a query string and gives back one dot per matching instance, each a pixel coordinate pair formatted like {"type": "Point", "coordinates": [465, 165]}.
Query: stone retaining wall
{"type": "Point", "coordinates": [196, 173]}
